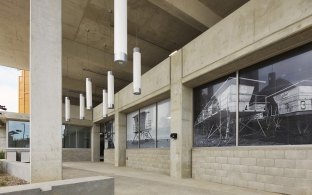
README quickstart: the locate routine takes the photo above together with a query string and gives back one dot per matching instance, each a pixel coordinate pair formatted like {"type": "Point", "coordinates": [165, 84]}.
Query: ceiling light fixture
{"type": "Point", "coordinates": [105, 112]}
{"type": "Point", "coordinates": [67, 109]}
{"type": "Point", "coordinates": [136, 71]}
{"type": "Point", "coordinates": [120, 31]}
{"type": "Point", "coordinates": [136, 65]}
{"type": "Point", "coordinates": [110, 90]}
{"type": "Point", "coordinates": [89, 93]}
{"type": "Point", "coordinates": [88, 80]}
{"type": "Point", "coordinates": [81, 106]}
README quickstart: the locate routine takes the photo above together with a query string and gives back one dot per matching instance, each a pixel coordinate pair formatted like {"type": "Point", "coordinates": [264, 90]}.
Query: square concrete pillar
{"type": "Point", "coordinates": [45, 90]}
{"type": "Point", "coordinates": [95, 143]}
{"type": "Point", "coordinates": [181, 121]}
{"type": "Point", "coordinates": [120, 135]}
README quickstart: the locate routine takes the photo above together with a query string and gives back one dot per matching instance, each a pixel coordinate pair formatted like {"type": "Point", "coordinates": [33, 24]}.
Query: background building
{"type": "Point", "coordinates": [23, 92]}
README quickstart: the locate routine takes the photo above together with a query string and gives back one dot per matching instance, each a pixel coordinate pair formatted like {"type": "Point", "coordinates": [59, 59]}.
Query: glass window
{"type": "Point", "coordinates": [76, 136]}
{"type": "Point", "coordinates": [163, 124]}
{"type": "Point", "coordinates": [83, 137]}
{"type": "Point", "coordinates": [148, 127]}
{"type": "Point", "coordinates": [133, 130]}
{"type": "Point", "coordinates": [109, 134]}
{"type": "Point", "coordinates": [275, 100]}
{"type": "Point", "coordinates": [154, 126]}
{"type": "Point", "coordinates": [18, 134]}
{"type": "Point", "coordinates": [215, 113]}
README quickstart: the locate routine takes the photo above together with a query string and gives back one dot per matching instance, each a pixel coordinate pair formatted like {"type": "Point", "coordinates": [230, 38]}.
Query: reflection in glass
{"type": "Point", "coordinates": [76, 136]}
{"type": "Point", "coordinates": [279, 109]}
{"type": "Point", "coordinates": [109, 134]}
{"type": "Point", "coordinates": [18, 134]}
{"type": "Point", "coordinates": [133, 130]}
{"type": "Point", "coordinates": [83, 137]}
{"type": "Point", "coordinates": [147, 127]}
{"type": "Point", "coordinates": [163, 124]}
{"type": "Point", "coordinates": [214, 113]}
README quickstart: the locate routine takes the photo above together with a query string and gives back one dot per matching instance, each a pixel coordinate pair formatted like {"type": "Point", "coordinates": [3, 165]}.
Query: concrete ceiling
{"type": "Point", "coordinates": [158, 27]}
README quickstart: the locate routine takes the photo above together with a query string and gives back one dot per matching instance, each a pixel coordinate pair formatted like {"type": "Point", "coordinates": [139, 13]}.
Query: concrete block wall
{"type": "Point", "coordinates": [149, 159]}
{"type": "Point", "coordinates": [275, 169]}
{"type": "Point", "coordinates": [76, 154]}
{"type": "Point", "coordinates": [109, 156]}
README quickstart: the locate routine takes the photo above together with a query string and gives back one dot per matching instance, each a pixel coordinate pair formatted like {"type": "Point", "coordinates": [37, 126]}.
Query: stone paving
{"type": "Point", "coordinates": [133, 181]}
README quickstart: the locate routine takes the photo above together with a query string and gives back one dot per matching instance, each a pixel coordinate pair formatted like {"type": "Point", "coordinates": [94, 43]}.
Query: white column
{"type": "Point", "coordinates": [45, 90]}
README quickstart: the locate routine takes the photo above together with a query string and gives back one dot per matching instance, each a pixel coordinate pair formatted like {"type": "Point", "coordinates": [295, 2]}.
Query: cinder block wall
{"type": "Point", "coordinates": [76, 154]}
{"type": "Point", "coordinates": [276, 169]}
{"type": "Point", "coordinates": [109, 156]}
{"type": "Point", "coordinates": [151, 159]}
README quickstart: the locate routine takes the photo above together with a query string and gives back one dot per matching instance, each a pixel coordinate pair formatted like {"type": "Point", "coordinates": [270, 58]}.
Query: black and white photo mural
{"type": "Point", "coordinates": [163, 124]}
{"type": "Point", "coordinates": [274, 104]}
{"type": "Point", "coordinates": [141, 128]}
{"type": "Point", "coordinates": [279, 111]}
{"type": "Point", "coordinates": [109, 135]}
{"type": "Point", "coordinates": [133, 130]}
{"type": "Point", "coordinates": [214, 113]}
{"type": "Point", "coordinates": [149, 127]}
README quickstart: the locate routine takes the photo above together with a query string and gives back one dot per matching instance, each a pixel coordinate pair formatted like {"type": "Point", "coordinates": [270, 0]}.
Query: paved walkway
{"type": "Point", "coordinates": [132, 181]}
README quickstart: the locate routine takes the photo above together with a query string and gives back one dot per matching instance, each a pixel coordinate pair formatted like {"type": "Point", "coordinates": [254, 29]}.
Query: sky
{"type": "Point", "coordinates": [9, 88]}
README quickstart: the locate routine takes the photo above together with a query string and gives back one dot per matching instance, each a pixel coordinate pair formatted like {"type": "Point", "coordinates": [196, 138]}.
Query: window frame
{"type": "Point", "coordinates": [156, 127]}
{"type": "Point", "coordinates": [7, 135]}
{"type": "Point", "coordinates": [268, 62]}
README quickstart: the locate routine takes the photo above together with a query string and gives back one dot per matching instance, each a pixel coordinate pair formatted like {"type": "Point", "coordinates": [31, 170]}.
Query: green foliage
{"type": "Point", "coordinates": [2, 155]}
{"type": "Point", "coordinates": [3, 183]}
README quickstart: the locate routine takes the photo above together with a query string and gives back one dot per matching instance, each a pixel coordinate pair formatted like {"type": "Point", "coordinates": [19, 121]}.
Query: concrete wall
{"type": "Point", "coordinates": [154, 82]}
{"type": "Point", "coordinates": [276, 169]}
{"type": "Point", "coordinates": [75, 118]}
{"type": "Point", "coordinates": [98, 113]}
{"type": "Point", "coordinates": [149, 159]}
{"type": "Point", "coordinates": [250, 34]}
{"type": "Point", "coordinates": [109, 156]}
{"type": "Point", "coordinates": [17, 169]}
{"type": "Point", "coordinates": [98, 185]}
{"type": "Point", "coordinates": [76, 154]}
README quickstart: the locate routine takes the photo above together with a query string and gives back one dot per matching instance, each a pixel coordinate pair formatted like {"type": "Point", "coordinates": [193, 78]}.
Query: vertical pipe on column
{"type": "Point", "coordinates": [89, 93]}
{"type": "Point", "coordinates": [120, 31]}
{"type": "Point", "coordinates": [82, 106]}
{"type": "Point", "coordinates": [110, 90]}
{"type": "Point", "coordinates": [136, 71]}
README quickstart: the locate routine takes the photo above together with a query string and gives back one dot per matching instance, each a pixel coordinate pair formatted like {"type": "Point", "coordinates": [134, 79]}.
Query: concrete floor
{"type": "Point", "coordinates": [133, 181]}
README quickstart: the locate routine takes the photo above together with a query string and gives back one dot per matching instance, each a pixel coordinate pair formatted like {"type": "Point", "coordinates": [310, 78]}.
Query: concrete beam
{"type": "Point", "coordinates": [46, 90]}
{"type": "Point", "coordinates": [191, 12]}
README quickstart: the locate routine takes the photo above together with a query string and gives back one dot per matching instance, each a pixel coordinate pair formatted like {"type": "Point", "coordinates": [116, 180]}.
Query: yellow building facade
{"type": "Point", "coordinates": [23, 92]}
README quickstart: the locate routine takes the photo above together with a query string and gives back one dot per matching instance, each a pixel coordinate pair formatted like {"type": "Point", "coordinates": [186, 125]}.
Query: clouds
{"type": "Point", "coordinates": [9, 88]}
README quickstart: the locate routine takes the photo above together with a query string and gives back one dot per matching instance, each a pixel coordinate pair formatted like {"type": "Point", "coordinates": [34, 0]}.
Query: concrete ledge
{"type": "Point", "coordinates": [17, 169]}
{"type": "Point", "coordinates": [98, 185]}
